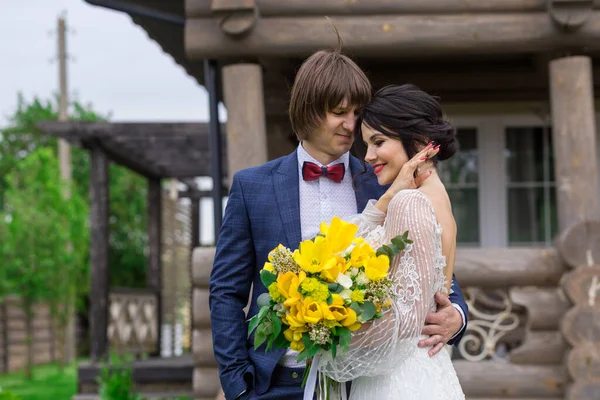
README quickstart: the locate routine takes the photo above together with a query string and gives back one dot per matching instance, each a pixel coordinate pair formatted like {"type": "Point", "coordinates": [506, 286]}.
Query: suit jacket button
{"type": "Point", "coordinates": [294, 375]}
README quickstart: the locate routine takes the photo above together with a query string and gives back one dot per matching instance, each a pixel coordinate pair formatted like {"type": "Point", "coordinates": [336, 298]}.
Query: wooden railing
{"type": "Point", "coordinates": [132, 321]}
{"type": "Point", "coordinates": [513, 347]}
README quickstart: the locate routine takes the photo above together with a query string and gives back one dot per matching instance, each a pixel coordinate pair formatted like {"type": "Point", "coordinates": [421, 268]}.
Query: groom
{"type": "Point", "coordinates": [283, 201]}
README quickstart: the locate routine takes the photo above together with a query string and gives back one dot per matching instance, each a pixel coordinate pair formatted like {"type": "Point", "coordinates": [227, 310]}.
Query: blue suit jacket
{"type": "Point", "coordinates": [263, 210]}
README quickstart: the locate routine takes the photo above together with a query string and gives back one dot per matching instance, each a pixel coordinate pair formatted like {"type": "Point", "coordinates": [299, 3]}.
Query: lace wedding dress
{"type": "Point", "coordinates": [384, 361]}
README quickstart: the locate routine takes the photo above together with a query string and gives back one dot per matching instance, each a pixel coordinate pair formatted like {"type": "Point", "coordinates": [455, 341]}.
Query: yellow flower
{"type": "Point", "coordinates": [288, 285]}
{"type": "Point", "coordinates": [357, 296]}
{"type": "Point", "coordinates": [297, 346]}
{"type": "Point", "coordinates": [333, 268]}
{"type": "Point", "coordinates": [313, 256]}
{"type": "Point", "coordinates": [295, 317]}
{"type": "Point", "coordinates": [376, 268]}
{"type": "Point", "coordinates": [315, 289]}
{"type": "Point", "coordinates": [344, 316]}
{"type": "Point", "coordinates": [268, 267]}
{"type": "Point", "coordinates": [275, 294]}
{"type": "Point", "coordinates": [341, 233]}
{"type": "Point", "coordinates": [360, 253]}
{"type": "Point", "coordinates": [313, 310]}
{"type": "Point", "coordinates": [336, 310]}
{"type": "Point", "coordinates": [294, 334]}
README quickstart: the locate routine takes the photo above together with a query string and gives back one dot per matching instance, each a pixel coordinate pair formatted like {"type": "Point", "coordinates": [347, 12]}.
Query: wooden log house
{"type": "Point", "coordinates": [517, 78]}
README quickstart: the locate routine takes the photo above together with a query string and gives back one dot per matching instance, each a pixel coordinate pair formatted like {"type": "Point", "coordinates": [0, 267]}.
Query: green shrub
{"type": "Point", "coordinates": [116, 381]}
{"type": "Point", "coordinates": [8, 396]}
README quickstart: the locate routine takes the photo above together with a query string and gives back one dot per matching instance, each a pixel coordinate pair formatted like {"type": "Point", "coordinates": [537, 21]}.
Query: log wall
{"type": "Point", "coordinates": [13, 348]}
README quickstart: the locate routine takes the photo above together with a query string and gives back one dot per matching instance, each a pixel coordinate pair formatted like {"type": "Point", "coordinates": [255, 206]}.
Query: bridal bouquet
{"type": "Point", "coordinates": [321, 292]}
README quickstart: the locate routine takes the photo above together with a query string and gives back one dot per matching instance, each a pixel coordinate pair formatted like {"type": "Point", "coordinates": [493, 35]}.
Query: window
{"type": "Point", "coordinates": [530, 185]}
{"type": "Point", "coordinates": [460, 175]}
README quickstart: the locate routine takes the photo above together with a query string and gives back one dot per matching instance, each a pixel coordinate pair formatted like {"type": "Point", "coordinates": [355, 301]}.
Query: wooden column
{"type": "Point", "coordinates": [246, 129]}
{"type": "Point", "coordinates": [154, 272]}
{"type": "Point", "coordinates": [195, 216]}
{"type": "Point", "coordinates": [99, 206]}
{"type": "Point", "coordinates": [574, 139]}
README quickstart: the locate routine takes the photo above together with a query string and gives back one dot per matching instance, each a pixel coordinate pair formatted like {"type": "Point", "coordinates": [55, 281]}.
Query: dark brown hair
{"type": "Point", "coordinates": [410, 115]}
{"type": "Point", "coordinates": [323, 81]}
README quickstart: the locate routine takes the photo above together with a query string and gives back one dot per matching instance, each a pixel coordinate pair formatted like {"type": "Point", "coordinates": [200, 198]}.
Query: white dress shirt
{"type": "Point", "coordinates": [320, 201]}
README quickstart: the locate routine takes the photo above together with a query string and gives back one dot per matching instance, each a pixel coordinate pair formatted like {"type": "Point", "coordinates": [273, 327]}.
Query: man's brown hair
{"type": "Point", "coordinates": [323, 81]}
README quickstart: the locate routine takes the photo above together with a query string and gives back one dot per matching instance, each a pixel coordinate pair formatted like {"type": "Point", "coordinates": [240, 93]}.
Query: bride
{"type": "Point", "coordinates": [403, 123]}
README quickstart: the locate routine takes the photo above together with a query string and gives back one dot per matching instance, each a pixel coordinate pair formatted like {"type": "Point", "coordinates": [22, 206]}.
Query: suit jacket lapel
{"type": "Point", "coordinates": [361, 191]}
{"type": "Point", "coordinates": [287, 193]}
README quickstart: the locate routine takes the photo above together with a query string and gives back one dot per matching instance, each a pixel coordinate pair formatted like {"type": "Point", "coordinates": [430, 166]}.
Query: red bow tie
{"type": "Point", "coordinates": [311, 171]}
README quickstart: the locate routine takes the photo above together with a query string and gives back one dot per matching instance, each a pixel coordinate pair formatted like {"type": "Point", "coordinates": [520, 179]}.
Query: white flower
{"type": "Point", "coordinates": [353, 271]}
{"type": "Point", "coordinates": [345, 294]}
{"type": "Point", "coordinates": [362, 279]}
{"type": "Point", "coordinates": [344, 280]}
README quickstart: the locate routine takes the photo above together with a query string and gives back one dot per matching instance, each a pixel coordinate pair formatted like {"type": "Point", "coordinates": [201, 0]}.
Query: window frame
{"type": "Point", "coordinates": [492, 182]}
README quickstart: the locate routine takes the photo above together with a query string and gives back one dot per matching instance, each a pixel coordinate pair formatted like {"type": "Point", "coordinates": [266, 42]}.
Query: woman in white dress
{"type": "Point", "coordinates": [384, 361]}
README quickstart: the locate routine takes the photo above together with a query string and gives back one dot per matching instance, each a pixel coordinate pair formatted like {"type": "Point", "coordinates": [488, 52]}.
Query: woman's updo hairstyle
{"type": "Point", "coordinates": [408, 114]}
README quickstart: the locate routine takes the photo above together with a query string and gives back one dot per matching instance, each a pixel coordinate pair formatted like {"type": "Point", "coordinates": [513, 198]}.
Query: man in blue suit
{"type": "Point", "coordinates": [283, 201]}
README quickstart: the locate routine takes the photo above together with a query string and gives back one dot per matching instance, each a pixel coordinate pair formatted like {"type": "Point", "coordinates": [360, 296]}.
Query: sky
{"type": "Point", "coordinates": [113, 64]}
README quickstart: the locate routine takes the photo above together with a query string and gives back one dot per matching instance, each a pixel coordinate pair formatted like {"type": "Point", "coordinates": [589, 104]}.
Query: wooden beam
{"type": "Point", "coordinates": [298, 8]}
{"type": "Point", "coordinates": [501, 268]}
{"type": "Point", "coordinates": [154, 270]}
{"type": "Point", "coordinates": [99, 206]}
{"type": "Point", "coordinates": [144, 129]}
{"type": "Point", "coordinates": [135, 163]}
{"type": "Point", "coordinates": [404, 35]}
{"type": "Point", "coordinates": [502, 379]}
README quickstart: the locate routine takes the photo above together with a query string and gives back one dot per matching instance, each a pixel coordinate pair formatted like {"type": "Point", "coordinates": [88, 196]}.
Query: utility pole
{"type": "Point", "coordinates": [64, 149]}
{"type": "Point", "coordinates": [64, 159]}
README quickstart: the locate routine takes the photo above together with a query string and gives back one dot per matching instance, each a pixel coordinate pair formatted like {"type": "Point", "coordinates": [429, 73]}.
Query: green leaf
{"type": "Point", "coordinates": [368, 311]}
{"type": "Point", "coordinates": [345, 337]}
{"type": "Point", "coordinates": [252, 324]}
{"type": "Point", "coordinates": [335, 288]}
{"type": "Point", "coordinates": [356, 307]}
{"type": "Point", "coordinates": [263, 312]}
{"type": "Point", "coordinates": [385, 250]}
{"type": "Point", "coordinates": [281, 342]}
{"type": "Point", "coordinates": [259, 338]}
{"type": "Point", "coordinates": [399, 243]}
{"type": "Point", "coordinates": [333, 350]}
{"type": "Point", "coordinates": [264, 300]}
{"type": "Point", "coordinates": [303, 355]}
{"type": "Point", "coordinates": [306, 340]}
{"type": "Point", "coordinates": [310, 349]}
{"type": "Point", "coordinates": [267, 278]}
{"type": "Point", "coordinates": [276, 324]}
{"type": "Point", "coordinates": [329, 299]}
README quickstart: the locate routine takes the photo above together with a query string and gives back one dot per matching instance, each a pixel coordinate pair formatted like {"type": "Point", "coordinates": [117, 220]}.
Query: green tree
{"type": "Point", "coordinates": [128, 217]}
{"type": "Point", "coordinates": [39, 223]}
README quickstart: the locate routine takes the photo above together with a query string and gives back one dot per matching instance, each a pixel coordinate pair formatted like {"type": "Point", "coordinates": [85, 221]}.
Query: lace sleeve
{"type": "Point", "coordinates": [370, 224]}
{"type": "Point", "coordinates": [387, 341]}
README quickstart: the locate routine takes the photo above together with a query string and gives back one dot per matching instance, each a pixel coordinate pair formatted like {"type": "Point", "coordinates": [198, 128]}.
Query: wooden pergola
{"type": "Point", "coordinates": [155, 151]}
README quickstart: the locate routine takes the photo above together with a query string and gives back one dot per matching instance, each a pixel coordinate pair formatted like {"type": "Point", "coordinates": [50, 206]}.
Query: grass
{"type": "Point", "coordinates": [48, 383]}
